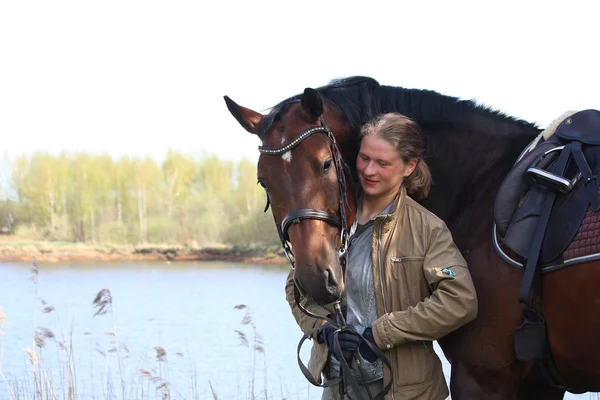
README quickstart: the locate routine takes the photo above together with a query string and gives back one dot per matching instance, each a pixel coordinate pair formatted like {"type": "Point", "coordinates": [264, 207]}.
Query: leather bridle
{"type": "Point", "coordinates": [295, 216]}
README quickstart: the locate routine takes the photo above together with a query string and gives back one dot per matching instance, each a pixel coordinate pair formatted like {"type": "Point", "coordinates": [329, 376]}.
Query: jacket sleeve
{"type": "Point", "coordinates": [452, 303]}
{"type": "Point", "coordinates": [305, 322]}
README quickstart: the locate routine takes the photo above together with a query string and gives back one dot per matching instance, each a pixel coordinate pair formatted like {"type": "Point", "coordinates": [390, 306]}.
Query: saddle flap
{"type": "Point", "coordinates": [583, 126]}
{"type": "Point", "coordinates": [566, 216]}
{"type": "Point", "coordinates": [515, 186]}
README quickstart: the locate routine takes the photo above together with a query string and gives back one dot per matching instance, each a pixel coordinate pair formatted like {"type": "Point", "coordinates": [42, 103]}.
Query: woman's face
{"type": "Point", "coordinates": [380, 169]}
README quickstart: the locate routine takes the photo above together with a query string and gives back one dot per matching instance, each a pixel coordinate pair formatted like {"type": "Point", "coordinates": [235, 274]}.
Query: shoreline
{"type": "Point", "coordinates": [23, 251]}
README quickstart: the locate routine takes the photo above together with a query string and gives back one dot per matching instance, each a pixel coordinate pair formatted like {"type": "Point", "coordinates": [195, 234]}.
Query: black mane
{"type": "Point", "coordinates": [362, 98]}
{"type": "Point", "coordinates": [469, 148]}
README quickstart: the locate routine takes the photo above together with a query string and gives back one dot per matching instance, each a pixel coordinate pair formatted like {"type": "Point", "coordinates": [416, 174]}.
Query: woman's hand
{"type": "Point", "coordinates": [365, 350]}
{"type": "Point", "coordinates": [348, 339]}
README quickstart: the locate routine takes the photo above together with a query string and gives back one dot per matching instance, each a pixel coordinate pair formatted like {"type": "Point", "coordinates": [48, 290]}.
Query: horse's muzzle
{"type": "Point", "coordinates": [320, 285]}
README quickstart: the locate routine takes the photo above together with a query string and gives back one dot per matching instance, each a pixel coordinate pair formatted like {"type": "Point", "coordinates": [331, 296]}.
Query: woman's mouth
{"type": "Point", "coordinates": [369, 181]}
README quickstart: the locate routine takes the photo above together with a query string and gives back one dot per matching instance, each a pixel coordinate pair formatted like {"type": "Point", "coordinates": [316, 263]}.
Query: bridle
{"type": "Point", "coordinates": [340, 222]}
{"type": "Point", "coordinates": [295, 216]}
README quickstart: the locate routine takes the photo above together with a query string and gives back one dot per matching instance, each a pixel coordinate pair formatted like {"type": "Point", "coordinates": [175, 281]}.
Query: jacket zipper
{"type": "Point", "coordinates": [382, 291]}
{"type": "Point", "coordinates": [380, 266]}
{"type": "Point", "coordinates": [400, 259]}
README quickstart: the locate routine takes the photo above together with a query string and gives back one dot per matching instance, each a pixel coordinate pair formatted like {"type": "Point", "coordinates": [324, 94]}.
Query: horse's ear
{"type": "Point", "coordinates": [247, 118]}
{"type": "Point", "coordinates": [312, 103]}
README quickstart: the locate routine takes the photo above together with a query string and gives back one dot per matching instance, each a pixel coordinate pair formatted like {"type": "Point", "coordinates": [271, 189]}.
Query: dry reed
{"type": "Point", "coordinates": [103, 303]}
{"type": "Point", "coordinates": [39, 383]}
{"type": "Point", "coordinates": [256, 348]}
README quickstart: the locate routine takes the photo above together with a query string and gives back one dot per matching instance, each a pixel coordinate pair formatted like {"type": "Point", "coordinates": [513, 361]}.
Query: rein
{"type": "Point", "coordinates": [340, 222]}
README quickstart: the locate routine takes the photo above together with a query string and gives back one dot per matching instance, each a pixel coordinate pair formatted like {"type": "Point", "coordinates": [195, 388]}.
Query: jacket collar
{"type": "Point", "coordinates": [398, 202]}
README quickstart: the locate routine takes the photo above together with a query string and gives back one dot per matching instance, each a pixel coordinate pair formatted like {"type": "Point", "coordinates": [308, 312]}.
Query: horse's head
{"type": "Point", "coordinates": [301, 170]}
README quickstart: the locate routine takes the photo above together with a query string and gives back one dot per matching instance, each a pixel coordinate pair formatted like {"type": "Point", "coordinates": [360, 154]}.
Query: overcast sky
{"type": "Point", "coordinates": [139, 77]}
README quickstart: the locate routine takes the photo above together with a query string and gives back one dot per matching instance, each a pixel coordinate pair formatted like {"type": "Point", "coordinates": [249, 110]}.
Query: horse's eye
{"type": "Point", "coordinates": [327, 165]}
{"type": "Point", "coordinates": [261, 183]}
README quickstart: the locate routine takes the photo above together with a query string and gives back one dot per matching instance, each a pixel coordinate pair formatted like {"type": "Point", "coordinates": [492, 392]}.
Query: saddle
{"type": "Point", "coordinates": [538, 211]}
{"type": "Point", "coordinates": [560, 170]}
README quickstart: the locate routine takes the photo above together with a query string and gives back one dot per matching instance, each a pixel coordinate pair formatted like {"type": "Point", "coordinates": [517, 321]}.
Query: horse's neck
{"type": "Point", "coordinates": [467, 174]}
{"type": "Point", "coordinates": [467, 167]}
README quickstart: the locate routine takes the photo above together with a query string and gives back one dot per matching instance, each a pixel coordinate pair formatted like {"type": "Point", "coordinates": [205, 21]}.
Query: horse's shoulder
{"type": "Point", "coordinates": [416, 210]}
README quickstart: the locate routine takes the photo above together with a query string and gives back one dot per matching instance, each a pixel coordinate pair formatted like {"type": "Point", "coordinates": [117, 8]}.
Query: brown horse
{"type": "Point", "coordinates": [469, 149]}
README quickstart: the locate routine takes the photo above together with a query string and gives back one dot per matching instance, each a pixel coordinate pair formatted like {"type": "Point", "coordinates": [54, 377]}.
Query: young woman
{"type": "Point", "coordinates": [407, 283]}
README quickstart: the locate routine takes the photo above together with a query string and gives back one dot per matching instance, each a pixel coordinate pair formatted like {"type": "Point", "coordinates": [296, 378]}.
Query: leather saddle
{"type": "Point", "coordinates": [565, 166]}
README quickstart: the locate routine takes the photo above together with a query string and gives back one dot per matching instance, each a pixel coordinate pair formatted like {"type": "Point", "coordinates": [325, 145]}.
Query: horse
{"type": "Point", "coordinates": [470, 149]}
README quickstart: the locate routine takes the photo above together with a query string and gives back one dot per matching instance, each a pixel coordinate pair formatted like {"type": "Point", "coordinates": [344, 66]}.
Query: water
{"type": "Point", "coordinates": [186, 308]}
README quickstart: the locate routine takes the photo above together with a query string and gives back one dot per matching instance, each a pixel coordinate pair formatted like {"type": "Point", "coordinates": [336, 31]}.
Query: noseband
{"type": "Point", "coordinates": [294, 217]}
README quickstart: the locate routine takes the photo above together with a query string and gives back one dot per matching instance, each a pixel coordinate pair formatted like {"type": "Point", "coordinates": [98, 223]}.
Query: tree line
{"type": "Point", "coordinates": [83, 197]}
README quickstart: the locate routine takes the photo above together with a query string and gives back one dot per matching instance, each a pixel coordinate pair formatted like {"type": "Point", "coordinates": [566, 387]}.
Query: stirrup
{"type": "Point", "coordinates": [555, 182]}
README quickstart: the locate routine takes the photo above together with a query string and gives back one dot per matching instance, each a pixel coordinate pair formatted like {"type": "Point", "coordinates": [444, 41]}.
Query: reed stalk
{"type": "Point", "coordinates": [2, 324]}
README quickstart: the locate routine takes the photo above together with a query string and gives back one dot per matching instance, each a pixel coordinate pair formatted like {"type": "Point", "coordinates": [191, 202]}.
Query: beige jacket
{"type": "Point", "coordinates": [423, 291]}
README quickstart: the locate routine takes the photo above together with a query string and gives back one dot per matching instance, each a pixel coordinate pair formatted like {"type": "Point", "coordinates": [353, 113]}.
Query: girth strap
{"type": "Point", "coordinates": [547, 365]}
{"type": "Point", "coordinates": [525, 291]}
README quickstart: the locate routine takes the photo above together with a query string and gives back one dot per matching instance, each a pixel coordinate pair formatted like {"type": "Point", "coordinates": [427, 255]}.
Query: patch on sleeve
{"type": "Point", "coordinates": [449, 272]}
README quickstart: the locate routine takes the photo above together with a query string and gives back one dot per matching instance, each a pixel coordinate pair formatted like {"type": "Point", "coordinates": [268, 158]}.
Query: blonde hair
{"type": "Point", "coordinates": [405, 135]}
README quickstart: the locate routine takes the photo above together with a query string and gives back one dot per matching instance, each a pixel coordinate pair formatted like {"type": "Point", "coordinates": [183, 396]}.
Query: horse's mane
{"type": "Point", "coordinates": [450, 128]}
{"type": "Point", "coordinates": [362, 98]}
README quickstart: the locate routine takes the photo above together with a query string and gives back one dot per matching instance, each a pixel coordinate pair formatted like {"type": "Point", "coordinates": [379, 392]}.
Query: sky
{"type": "Point", "coordinates": [139, 77]}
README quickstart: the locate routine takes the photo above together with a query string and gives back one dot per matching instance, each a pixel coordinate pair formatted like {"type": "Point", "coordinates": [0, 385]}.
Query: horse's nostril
{"type": "Point", "coordinates": [331, 281]}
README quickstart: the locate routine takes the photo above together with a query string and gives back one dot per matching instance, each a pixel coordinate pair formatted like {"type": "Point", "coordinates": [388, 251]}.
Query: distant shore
{"type": "Point", "coordinates": [14, 249]}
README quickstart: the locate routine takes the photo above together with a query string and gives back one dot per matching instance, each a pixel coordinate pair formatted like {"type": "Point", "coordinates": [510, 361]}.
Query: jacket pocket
{"type": "Point", "coordinates": [407, 268]}
{"type": "Point", "coordinates": [417, 368]}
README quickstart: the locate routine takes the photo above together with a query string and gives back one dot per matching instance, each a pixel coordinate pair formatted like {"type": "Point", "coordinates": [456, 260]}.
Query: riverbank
{"type": "Point", "coordinates": [13, 249]}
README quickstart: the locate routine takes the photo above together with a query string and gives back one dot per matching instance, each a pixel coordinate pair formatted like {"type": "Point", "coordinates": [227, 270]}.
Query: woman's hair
{"type": "Point", "coordinates": [405, 135]}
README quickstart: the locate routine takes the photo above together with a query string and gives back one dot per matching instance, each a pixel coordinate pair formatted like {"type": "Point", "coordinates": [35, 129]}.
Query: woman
{"type": "Point", "coordinates": [406, 282]}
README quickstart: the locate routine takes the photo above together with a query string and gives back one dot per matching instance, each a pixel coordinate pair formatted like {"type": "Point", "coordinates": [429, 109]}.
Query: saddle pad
{"type": "Point", "coordinates": [584, 247]}
{"type": "Point", "coordinates": [518, 204]}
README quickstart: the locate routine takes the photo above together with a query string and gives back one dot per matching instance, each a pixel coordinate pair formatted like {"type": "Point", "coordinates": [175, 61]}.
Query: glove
{"type": "Point", "coordinates": [349, 342]}
{"type": "Point", "coordinates": [365, 350]}
{"type": "Point", "coordinates": [325, 334]}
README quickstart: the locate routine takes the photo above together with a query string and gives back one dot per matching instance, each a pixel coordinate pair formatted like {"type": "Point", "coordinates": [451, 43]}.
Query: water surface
{"type": "Point", "coordinates": [188, 309]}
